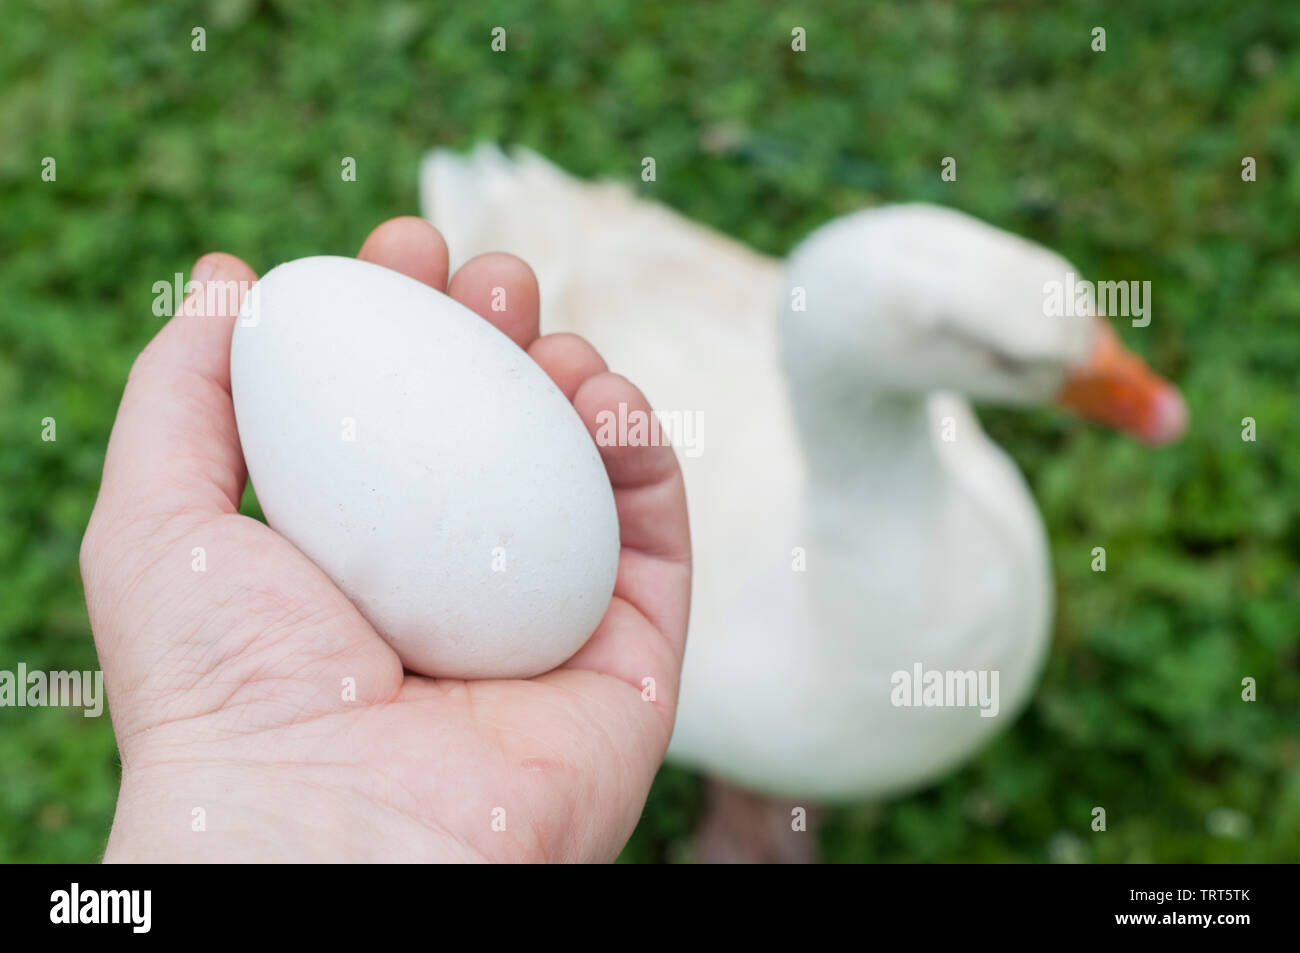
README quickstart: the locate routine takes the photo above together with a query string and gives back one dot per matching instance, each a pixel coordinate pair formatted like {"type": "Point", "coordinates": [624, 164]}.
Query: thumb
{"type": "Point", "coordinates": [174, 445]}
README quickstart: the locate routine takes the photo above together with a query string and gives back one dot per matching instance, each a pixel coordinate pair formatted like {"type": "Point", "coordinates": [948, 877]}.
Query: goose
{"type": "Point", "coordinates": [854, 528]}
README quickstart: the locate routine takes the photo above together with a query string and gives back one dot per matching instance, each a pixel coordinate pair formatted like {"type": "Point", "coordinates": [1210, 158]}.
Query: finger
{"type": "Point", "coordinates": [411, 246]}
{"type": "Point", "coordinates": [654, 570]}
{"type": "Point", "coordinates": [647, 480]}
{"type": "Point", "coordinates": [568, 359]}
{"type": "Point", "coordinates": [501, 289]}
{"type": "Point", "coordinates": [174, 445]}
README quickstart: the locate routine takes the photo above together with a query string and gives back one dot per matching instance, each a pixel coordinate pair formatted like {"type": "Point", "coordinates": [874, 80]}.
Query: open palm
{"type": "Point", "coordinates": [259, 716]}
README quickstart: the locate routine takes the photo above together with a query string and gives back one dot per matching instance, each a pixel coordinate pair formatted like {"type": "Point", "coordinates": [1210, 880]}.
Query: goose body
{"type": "Point", "coordinates": [844, 530]}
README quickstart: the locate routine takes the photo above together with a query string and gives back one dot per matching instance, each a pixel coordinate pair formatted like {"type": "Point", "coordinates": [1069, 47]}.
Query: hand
{"type": "Point", "coordinates": [225, 685]}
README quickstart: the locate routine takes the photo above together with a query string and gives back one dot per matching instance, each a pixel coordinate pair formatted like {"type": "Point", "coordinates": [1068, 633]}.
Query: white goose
{"type": "Point", "coordinates": [833, 441]}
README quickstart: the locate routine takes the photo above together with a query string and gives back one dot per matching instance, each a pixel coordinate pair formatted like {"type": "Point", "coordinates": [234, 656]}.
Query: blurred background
{"type": "Point", "coordinates": [1127, 162]}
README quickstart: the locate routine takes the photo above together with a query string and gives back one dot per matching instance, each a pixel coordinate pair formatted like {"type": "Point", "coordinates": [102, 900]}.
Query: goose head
{"type": "Point", "coordinates": [909, 299]}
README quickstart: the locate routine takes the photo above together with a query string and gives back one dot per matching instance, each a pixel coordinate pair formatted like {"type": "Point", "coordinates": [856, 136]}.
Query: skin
{"type": "Point", "coordinates": [225, 686]}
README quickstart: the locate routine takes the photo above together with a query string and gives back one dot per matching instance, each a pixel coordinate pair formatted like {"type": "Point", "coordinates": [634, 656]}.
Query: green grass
{"type": "Point", "coordinates": [1128, 162]}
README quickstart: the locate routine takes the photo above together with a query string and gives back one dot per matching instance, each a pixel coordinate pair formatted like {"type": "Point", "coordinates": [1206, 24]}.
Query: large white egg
{"type": "Point", "coordinates": [427, 465]}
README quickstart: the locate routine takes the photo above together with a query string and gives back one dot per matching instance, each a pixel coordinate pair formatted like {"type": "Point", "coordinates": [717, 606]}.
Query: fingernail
{"type": "Point", "coordinates": [204, 269]}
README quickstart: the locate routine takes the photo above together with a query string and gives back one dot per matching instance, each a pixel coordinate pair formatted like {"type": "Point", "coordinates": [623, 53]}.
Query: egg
{"type": "Point", "coordinates": [421, 459]}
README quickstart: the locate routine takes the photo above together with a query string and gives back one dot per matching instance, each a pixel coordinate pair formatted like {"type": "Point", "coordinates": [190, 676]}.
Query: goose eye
{"type": "Point", "coordinates": [944, 327]}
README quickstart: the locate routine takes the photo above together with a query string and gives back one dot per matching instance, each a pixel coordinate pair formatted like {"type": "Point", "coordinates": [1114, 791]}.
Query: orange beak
{"type": "Point", "coordinates": [1116, 387]}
